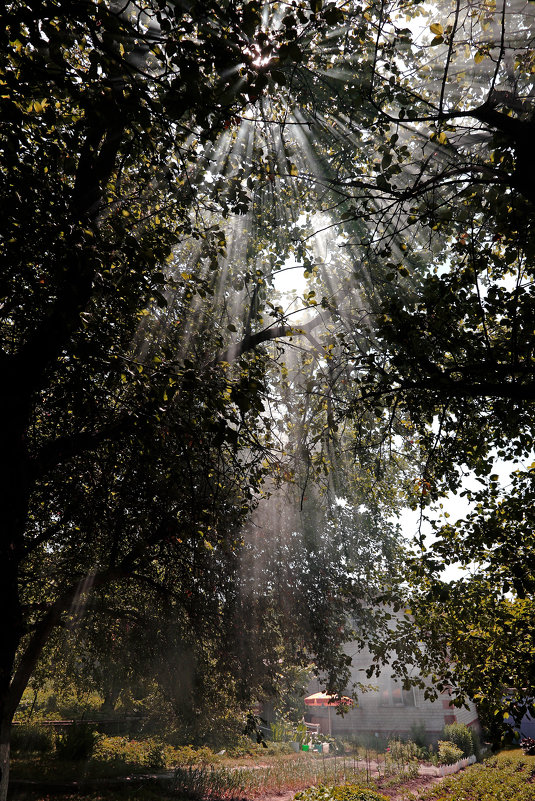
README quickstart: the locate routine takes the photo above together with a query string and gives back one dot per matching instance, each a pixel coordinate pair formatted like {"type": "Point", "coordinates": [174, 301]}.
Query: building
{"type": "Point", "coordinates": [389, 711]}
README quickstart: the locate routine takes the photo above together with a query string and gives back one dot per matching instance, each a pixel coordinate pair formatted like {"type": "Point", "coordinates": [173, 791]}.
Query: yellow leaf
{"type": "Point", "coordinates": [479, 56]}
{"type": "Point", "coordinates": [436, 28]}
{"type": "Point", "coordinates": [293, 170]}
{"type": "Point", "coordinates": [442, 138]}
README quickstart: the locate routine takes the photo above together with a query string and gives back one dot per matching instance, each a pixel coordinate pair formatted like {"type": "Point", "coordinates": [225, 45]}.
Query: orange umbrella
{"type": "Point", "coordinates": [324, 699]}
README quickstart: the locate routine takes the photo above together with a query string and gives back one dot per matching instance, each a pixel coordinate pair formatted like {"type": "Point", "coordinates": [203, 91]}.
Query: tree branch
{"type": "Point", "coordinates": [252, 341]}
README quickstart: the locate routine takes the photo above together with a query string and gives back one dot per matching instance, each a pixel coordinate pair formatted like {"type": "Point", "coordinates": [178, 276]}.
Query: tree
{"type": "Point", "coordinates": [442, 361]}
{"type": "Point", "coordinates": [425, 336]}
{"type": "Point", "coordinates": [104, 107]}
{"type": "Point", "coordinates": [126, 262]}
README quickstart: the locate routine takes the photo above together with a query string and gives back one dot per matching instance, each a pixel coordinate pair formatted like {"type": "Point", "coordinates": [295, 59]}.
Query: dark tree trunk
{"type": "Point", "coordinates": [5, 736]}
{"type": "Point", "coordinates": [14, 493]}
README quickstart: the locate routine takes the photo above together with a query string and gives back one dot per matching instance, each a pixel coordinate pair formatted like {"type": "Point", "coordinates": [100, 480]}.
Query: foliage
{"type": "Point", "coordinates": [102, 405]}
{"type": "Point", "coordinates": [216, 783]}
{"type": "Point", "coordinates": [432, 313]}
{"type": "Point", "coordinates": [29, 737]}
{"type": "Point", "coordinates": [149, 752]}
{"type": "Point", "coordinates": [282, 731]}
{"type": "Point", "coordinates": [448, 753]}
{"type": "Point", "coordinates": [404, 752]}
{"type": "Point", "coordinates": [527, 744]}
{"type": "Point", "coordinates": [344, 792]}
{"type": "Point", "coordinates": [461, 736]}
{"type": "Point", "coordinates": [156, 756]}
{"type": "Point", "coordinates": [77, 743]}
{"type": "Point", "coordinates": [125, 260]}
{"type": "Point", "coordinates": [419, 735]}
{"type": "Point", "coordinates": [125, 478]}
{"type": "Point", "coordinates": [507, 776]}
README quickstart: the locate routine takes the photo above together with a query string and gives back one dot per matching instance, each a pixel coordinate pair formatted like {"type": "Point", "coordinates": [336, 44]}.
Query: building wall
{"type": "Point", "coordinates": [390, 710]}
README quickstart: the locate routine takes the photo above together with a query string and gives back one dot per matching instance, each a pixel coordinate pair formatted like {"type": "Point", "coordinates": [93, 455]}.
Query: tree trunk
{"type": "Point", "coordinates": [14, 506]}
{"type": "Point", "coordinates": [5, 736]}
{"type": "Point", "coordinates": [10, 636]}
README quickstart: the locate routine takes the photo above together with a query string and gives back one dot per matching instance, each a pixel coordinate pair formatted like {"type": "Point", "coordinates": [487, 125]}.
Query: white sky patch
{"type": "Point", "coordinates": [291, 280]}
{"type": "Point", "coordinates": [451, 509]}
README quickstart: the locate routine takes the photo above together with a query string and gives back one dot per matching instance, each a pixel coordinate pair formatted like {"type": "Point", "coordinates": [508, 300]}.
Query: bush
{"type": "Point", "coordinates": [528, 746]}
{"type": "Point", "coordinates": [448, 753]}
{"type": "Point", "coordinates": [156, 756]}
{"type": "Point", "coordinates": [461, 736]}
{"type": "Point", "coordinates": [30, 737]}
{"type": "Point", "coordinates": [187, 755]}
{"type": "Point", "coordinates": [77, 743]}
{"type": "Point", "coordinates": [273, 749]}
{"type": "Point", "coordinates": [404, 752]}
{"type": "Point", "coordinates": [243, 747]}
{"type": "Point", "coordinates": [120, 751]}
{"type": "Point", "coordinates": [342, 792]}
{"type": "Point", "coordinates": [419, 735]}
{"type": "Point", "coordinates": [150, 753]}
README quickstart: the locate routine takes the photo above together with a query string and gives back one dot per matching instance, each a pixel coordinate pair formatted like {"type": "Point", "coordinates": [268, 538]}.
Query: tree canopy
{"type": "Point", "coordinates": [161, 164]}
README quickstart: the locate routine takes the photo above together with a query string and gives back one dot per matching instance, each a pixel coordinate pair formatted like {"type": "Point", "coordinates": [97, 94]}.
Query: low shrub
{"type": "Point", "coordinates": [187, 755]}
{"type": "Point", "coordinates": [404, 752]}
{"type": "Point", "coordinates": [448, 753]}
{"type": "Point", "coordinates": [419, 735]}
{"type": "Point", "coordinates": [461, 736]}
{"type": "Point", "coordinates": [31, 738]}
{"type": "Point", "coordinates": [273, 749]}
{"type": "Point", "coordinates": [243, 747]}
{"type": "Point", "coordinates": [77, 743]}
{"type": "Point", "coordinates": [156, 757]}
{"type": "Point", "coordinates": [120, 751]}
{"type": "Point", "coordinates": [528, 746]}
{"type": "Point", "coordinates": [342, 792]}
{"type": "Point", "coordinates": [150, 753]}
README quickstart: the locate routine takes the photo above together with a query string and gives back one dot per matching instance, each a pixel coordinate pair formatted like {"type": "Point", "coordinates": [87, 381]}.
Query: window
{"type": "Point", "coordinates": [394, 695]}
